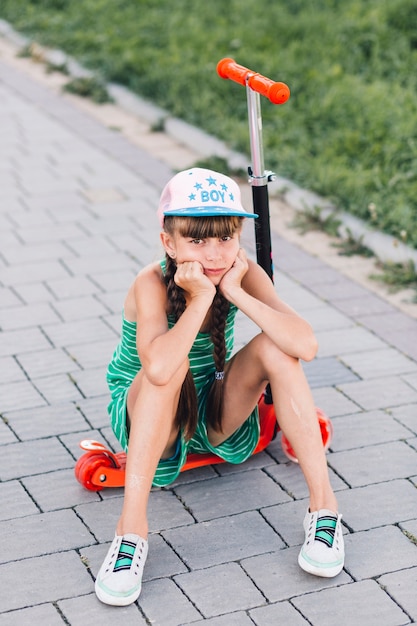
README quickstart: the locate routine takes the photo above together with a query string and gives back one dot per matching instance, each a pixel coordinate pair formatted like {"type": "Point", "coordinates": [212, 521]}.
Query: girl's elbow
{"type": "Point", "coordinates": [312, 349]}
{"type": "Point", "coordinates": [156, 375]}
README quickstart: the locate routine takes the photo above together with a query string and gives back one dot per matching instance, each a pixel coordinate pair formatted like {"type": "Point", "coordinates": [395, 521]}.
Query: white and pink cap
{"type": "Point", "coordinates": [198, 192]}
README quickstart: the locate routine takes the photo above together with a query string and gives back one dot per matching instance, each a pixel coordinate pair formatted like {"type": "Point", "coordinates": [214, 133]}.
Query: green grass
{"type": "Point", "coordinates": [349, 130]}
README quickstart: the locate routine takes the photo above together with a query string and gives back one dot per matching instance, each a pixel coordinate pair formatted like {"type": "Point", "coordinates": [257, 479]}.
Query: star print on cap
{"type": "Point", "coordinates": [200, 192]}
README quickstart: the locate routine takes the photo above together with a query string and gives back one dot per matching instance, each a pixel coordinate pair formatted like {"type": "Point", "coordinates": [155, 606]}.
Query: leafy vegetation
{"type": "Point", "coordinates": [349, 130]}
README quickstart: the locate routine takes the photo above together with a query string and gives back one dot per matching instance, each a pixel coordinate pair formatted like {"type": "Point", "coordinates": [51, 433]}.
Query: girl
{"type": "Point", "coordinates": [176, 390]}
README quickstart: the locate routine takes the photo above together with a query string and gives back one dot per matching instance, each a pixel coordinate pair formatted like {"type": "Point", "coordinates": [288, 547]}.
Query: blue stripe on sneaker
{"type": "Point", "coordinates": [325, 529]}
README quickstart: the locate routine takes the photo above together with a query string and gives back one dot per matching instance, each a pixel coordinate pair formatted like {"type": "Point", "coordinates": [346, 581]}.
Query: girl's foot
{"type": "Point", "coordinates": [119, 581]}
{"type": "Point", "coordinates": [323, 552]}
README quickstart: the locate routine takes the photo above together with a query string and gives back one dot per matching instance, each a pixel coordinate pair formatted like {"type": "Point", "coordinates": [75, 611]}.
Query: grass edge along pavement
{"type": "Point", "coordinates": [388, 250]}
{"type": "Point", "coordinates": [347, 131]}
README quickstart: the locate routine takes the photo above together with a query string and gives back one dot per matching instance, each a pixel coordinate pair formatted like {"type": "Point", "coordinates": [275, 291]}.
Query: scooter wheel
{"type": "Point", "coordinates": [326, 428]}
{"type": "Point", "coordinates": [86, 467]}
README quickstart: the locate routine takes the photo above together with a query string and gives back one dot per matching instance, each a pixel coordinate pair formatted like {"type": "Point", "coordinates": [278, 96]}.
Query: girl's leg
{"type": "Point", "coordinates": [152, 436]}
{"type": "Point", "coordinates": [152, 411]}
{"type": "Point", "coordinates": [248, 372]}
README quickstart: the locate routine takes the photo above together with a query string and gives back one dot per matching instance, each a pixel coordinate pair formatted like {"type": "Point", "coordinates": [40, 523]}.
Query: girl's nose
{"type": "Point", "coordinates": [213, 250]}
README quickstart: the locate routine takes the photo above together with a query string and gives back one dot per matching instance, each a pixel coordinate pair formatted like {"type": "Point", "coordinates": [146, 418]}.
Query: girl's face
{"type": "Point", "coordinates": [215, 254]}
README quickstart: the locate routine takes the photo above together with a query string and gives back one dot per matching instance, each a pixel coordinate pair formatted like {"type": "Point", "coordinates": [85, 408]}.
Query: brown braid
{"type": "Point", "coordinates": [219, 311]}
{"type": "Point", "coordinates": [186, 415]}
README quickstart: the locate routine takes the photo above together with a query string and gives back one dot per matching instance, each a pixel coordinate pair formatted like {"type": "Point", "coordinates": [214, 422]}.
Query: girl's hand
{"type": "Point", "coordinates": [233, 278]}
{"type": "Point", "coordinates": [190, 277]}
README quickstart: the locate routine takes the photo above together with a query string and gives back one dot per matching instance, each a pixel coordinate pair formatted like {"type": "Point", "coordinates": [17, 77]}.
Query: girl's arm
{"type": "Point", "coordinates": [253, 292]}
{"type": "Point", "coordinates": [162, 351]}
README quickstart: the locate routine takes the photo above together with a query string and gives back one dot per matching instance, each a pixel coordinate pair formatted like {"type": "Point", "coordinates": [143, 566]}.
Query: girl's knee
{"type": "Point", "coordinates": [270, 355]}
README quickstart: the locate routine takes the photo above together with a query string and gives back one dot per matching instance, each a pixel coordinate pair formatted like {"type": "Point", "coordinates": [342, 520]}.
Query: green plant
{"type": "Point", "coordinates": [349, 246]}
{"type": "Point", "coordinates": [314, 219]}
{"type": "Point", "coordinates": [397, 275]}
{"type": "Point", "coordinates": [92, 88]}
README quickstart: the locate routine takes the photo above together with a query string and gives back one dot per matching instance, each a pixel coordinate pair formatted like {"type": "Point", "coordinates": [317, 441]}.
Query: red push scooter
{"type": "Point", "coordinates": [99, 467]}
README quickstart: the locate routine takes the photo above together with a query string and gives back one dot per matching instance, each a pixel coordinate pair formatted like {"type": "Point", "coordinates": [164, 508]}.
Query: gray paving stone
{"type": "Point", "coordinates": [59, 389]}
{"type": "Point", "coordinates": [167, 511]}
{"type": "Point", "coordinates": [92, 355]}
{"type": "Point", "coordinates": [401, 587]}
{"type": "Point", "coordinates": [10, 372]}
{"type": "Point", "coordinates": [333, 402]}
{"type": "Point", "coordinates": [369, 556]}
{"type": "Point", "coordinates": [385, 503]}
{"type": "Point", "coordinates": [279, 613]}
{"type": "Point", "coordinates": [42, 614]}
{"type": "Point", "coordinates": [33, 457]}
{"type": "Point", "coordinates": [239, 618]}
{"type": "Point", "coordinates": [240, 536]}
{"type": "Point", "coordinates": [45, 362]}
{"type": "Point", "coordinates": [174, 610]}
{"type": "Point", "coordinates": [57, 490]}
{"type": "Point", "coordinates": [326, 318]}
{"type": "Point", "coordinates": [232, 494]}
{"type": "Point", "coordinates": [20, 395]}
{"type": "Point", "coordinates": [380, 393]}
{"type": "Point", "coordinates": [291, 479]}
{"type": "Point", "coordinates": [95, 410]}
{"type": "Point", "coordinates": [74, 333]}
{"type": "Point", "coordinates": [287, 520]}
{"type": "Point", "coordinates": [382, 324]}
{"type": "Point", "coordinates": [72, 287]}
{"type": "Point", "coordinates": [92, 382]}
{"type": "Point", "coordinates": [8, 298]}
{"type": "Point", "coordinates": [15, 501]}
{"type": "Point", "coordinates": [279, 577]}
{"type": "Point", "coordinates": [6, 434]}
{"type": "Point", "coordinates": [43, 579]}
{"type": "Point", "coordinates": [378, 363]}
{"type": "Point", "coordinates": [40, 534]}
{"type": "Point", "coordinates": [354, 604]}
{"type": "Point", "coordinates": [74, 309]}
{"type": "Point", "coordinates": [333, 342]}
{"type": "Point", "coordinates": [19, 341]}
{"type": "Point", "coordinates": [411, 379]}
{"type": "Point", "coordinates": [115, 281]}
{"type": "Point", "coordinates": [29, 273]}
{"type": "Point", "coordinates": [343, 289]}
{"type": "Point", "coordinates": [34, 293]}
{"type": "Point", "coordinates": [89, 611]}
{"type": "Point", "coordinates": [410, 529]}
{"type": "Point", "coordinates": [365, 429]}
{"type": "Point", "coordinates": [37, 252]}
{"type": "Point", "coordinates": [364, 466]}
{"type": "Point", "coordinates": [327, 371]}
{"type": "Point", "coordinates": [220, 589]}
{"type": "Point", "coordinates": [365, 305]}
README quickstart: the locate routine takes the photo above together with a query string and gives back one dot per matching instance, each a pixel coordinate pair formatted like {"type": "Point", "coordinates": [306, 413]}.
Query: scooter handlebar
{"type": "Point", "coordinates": [277, 93]}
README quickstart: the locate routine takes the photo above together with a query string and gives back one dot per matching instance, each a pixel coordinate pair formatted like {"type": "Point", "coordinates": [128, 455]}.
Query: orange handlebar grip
{"type": "Point", "coordinates": [277, 93]}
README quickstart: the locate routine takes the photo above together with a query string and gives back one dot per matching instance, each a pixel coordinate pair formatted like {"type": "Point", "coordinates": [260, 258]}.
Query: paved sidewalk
{"type": "Point", "coordinates": [77, 221]}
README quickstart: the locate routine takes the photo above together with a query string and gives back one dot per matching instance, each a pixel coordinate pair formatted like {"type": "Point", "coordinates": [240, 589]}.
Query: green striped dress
{"type": "Point", "coordinates": [123, 368]}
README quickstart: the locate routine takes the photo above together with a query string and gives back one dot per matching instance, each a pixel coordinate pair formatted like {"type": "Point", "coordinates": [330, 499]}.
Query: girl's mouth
{"type": "Point", "coordinates": [213, 272]}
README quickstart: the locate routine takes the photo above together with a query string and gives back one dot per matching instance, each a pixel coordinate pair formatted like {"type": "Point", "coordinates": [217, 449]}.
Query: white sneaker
{"type": "Point", "coordinates": [119, 580]}
{"type": "Point", "coordinates": [323, 552]}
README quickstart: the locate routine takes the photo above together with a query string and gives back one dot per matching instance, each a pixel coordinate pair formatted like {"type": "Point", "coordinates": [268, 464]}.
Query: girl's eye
{"type": "Point", "coordinates": [197, 241]}
{"type": "Point", "coordinates": [226, 238]}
